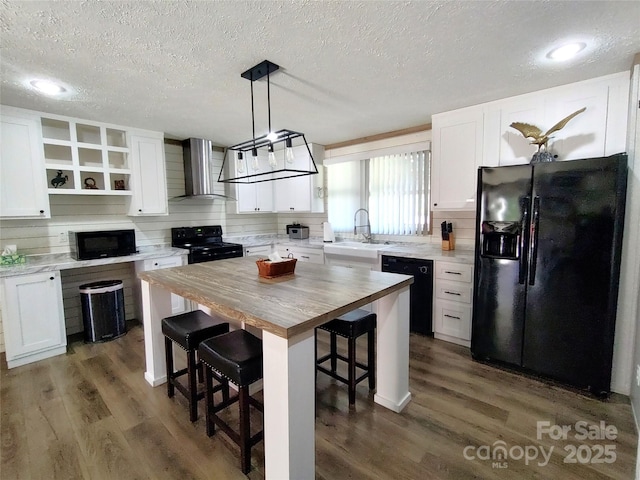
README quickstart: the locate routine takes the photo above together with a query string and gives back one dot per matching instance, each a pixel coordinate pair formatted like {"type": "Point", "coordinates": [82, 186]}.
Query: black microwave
{"type": "Point", "coordinates": [102, 244]}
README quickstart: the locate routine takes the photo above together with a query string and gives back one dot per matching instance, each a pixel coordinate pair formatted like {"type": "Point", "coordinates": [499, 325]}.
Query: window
{"type": "Point", "coordinates": [393, 188]}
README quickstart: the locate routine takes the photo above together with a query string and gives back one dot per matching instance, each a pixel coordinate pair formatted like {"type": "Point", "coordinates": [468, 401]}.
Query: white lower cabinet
{"type": "Point", "coordinates": [453, 292]}
{"type": "Point", "coordinates": [33, 317]}
{"type": "Point", "coordinates": [259, 251]}
{"type": "Point", "coordinates": [304, 254]}
{"type": "Point", "coordinates": [178, 304]}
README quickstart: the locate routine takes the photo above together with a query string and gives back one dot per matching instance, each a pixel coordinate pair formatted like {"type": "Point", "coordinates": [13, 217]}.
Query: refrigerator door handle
{"type": "Point", "coordinates": [522, 261]}
{"type": "Point", "coordinates": [535, 220]}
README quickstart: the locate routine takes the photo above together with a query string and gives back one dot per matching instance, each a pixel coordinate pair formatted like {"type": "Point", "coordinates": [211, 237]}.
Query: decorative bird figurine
{"type": "Point", "coordinates": [539, 138]}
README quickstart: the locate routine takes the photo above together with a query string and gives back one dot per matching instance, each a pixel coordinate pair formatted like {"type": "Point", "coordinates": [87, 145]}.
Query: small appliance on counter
{"type": "Point", "coordinates": [298, 232]}
{"type": "Point", "coordinates": [327, 233]}
{"type": "Point", "coordinates": [102, 244]}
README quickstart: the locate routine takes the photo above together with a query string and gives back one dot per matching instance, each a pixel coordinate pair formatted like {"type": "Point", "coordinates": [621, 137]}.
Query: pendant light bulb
{"type": "Point", "coordinates": [240, 163]}
{"type": "Point", "coordinates": [272, 157]}
{"type": "Point", "coordinates": [254, 159]}
{"type": "Point", "coordinates": [288, 152]}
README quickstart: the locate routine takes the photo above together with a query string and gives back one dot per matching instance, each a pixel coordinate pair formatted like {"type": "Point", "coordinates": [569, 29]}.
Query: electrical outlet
{"type": "Point", "coordinates": [638, 375]}
{"type": "Point", "coordinates": [63, 238]}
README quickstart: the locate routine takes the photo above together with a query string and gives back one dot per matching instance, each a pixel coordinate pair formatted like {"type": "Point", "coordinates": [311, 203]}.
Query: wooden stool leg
{"type": "Point", "coordinates": [168, 355]}
{"type": "Point", "coordinates": [371, 361]}
{"type": "Point", "coordinates": [334, 352]}
{"type": "Point", "coordinates": [200, 372]}
{"type": "Point", "coordinates": [245, 430]}
{"type": "Point", "coordinates": [193, 385]}
{"type": "Point", "coordinates": [209, 402]}
{"type": "Point", "coordinates": [352, 370]}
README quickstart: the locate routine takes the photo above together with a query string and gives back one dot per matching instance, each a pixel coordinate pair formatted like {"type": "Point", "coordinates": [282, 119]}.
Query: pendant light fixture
{"type": "Point", "coordinates": [273, 156]}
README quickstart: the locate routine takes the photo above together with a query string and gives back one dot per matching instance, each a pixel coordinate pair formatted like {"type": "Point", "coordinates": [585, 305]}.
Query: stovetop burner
{"type": "Point", "coordinates": [204, 243]}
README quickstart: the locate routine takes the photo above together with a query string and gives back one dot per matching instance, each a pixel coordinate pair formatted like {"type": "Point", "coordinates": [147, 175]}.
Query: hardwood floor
{"type": "Point", "coordinates": [90, 414]}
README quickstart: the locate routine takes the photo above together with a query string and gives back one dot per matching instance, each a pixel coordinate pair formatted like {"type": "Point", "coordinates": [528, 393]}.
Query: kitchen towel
{"type": "Point", "coordinates": [327, 233]}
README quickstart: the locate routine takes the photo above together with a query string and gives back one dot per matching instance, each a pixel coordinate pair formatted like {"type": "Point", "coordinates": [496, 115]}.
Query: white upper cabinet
{"type": "Point", "coordinates": [254, 197]}
{"type": "Point", "coordinates": [596, 132]}
{"type": "Point", "coordinates": [23, 182]}
{"type": "Point", "coordinates": [303, 193]}
{"type": "Point", "coordinates": [513, 148]}
{"type": "Point", "coordinates": [457, 152]}
{"type": "Point", "coordinates": [149, 186]}
{"type": "Point", "coordinates": [481, 135]}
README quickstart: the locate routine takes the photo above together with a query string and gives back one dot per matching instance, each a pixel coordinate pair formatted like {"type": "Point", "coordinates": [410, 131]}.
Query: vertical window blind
{"type": "Point", "coordinates": [398, 194]}
{"type": "Point", "coordinates": [394, 188]}
{"type": "Point", "coordinates": [344, 197]}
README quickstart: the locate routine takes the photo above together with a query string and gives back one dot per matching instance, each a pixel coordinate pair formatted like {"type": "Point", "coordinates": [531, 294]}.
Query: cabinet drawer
{"type": "Point", "coordinates": [312, 255]}
{"type": "Point", "coordinates": [458, 272]}
{"type": "Point", "coordinates": [454, 291]}
{"type": "Point", "coordinates": [453, 319]}
{"type": "Point", "coordinates": [262, 250]}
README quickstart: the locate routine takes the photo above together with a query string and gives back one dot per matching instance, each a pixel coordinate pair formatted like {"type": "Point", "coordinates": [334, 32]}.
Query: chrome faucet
{"type": "Point", "coordinates": [366, 235]}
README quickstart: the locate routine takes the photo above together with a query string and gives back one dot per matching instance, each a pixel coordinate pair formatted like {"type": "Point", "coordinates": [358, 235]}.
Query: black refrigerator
{"type": "Point", "coordinates": [547, 262]}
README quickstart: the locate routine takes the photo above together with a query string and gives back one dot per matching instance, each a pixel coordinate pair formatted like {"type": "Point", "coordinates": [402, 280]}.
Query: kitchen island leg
{"type": "Point", "coordinates": [156, 305]}
{"type": "Point", "coordinates": [392, 351]}
{"type": "Point", "coordinates": [289, 406]}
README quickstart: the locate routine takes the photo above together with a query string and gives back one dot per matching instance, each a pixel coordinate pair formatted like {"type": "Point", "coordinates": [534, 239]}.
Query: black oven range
{"type": "Point", "coordinates": [204, 243]}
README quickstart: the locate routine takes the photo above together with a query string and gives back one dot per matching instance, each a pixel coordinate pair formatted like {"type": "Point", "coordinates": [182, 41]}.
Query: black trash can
{"type": "Point", "coordinates": [103, 310]}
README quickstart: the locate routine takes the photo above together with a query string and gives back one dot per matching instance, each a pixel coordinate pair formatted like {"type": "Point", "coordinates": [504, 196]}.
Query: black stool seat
{"type": "Point", "coordinates": [351, 325]}
{"type": "Point", "coordinates": [188, 330]}
{"type": "Point", "coordinates": [233, 357]}
{"type": "Point", "coordinates": [236, 356]}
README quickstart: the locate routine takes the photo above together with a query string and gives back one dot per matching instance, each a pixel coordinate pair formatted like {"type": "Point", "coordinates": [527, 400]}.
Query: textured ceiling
{"type": "Point", "coordinates": [348, 68]}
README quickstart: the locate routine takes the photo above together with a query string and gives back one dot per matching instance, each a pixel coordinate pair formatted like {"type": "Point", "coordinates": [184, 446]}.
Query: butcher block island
{"type": "Point", "coordinates": [287, 309]}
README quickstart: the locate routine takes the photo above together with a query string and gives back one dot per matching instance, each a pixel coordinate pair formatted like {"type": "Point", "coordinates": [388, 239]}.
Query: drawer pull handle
{"type": "Point", "coordinates": [453, 293]}
{"type": "Point", "coordinates": [304, 256]}
{"type": "Point", "coordinates": [451, 316]}
{"type": "Point", "coordinates": [453, 273]}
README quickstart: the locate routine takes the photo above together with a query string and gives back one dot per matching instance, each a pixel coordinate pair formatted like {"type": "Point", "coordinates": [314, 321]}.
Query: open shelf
{"type": "Point", "coordinates": [86, 156]}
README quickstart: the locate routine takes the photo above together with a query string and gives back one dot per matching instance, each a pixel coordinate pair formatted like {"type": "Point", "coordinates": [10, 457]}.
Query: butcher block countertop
{"type": "Point", "coordinates": [285, 306]}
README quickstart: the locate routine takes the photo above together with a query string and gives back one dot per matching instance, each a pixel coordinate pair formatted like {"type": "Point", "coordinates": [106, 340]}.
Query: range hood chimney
{"type": "Point", "coordinates": [200, 174]}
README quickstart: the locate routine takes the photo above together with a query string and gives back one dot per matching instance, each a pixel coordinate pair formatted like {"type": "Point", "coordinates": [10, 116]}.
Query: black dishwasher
{"type": "Point", "coordinates": [421, 294]}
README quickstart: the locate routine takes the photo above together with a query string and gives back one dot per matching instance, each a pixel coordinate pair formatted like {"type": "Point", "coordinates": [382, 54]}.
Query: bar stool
{"type": "Point", "coordinates": [233, 357]}
{"type": "Point", "coordinates": [187, 330]}
{"type": "Point", "coordinates": [351, 325]}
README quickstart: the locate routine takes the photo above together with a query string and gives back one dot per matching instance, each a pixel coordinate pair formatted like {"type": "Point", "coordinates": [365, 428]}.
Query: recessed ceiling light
{"type": "Point", "coordinates": [47, 87]}
{"type": "Point", "coordinates": [565, 52]}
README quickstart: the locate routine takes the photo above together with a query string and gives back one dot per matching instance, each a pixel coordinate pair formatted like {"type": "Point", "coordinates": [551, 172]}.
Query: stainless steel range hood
{"type": "Point", "coordinates": [200, 173]}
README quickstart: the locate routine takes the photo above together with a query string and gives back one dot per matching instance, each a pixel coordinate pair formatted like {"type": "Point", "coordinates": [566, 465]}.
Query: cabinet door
{"type": "Point", "coordinates": [149, 195]}
{"type": "Point", "coordinates": [514, 148]}
{"type": "Point", "coordinates": [294, 194]}
{"type": "Point", "coordinates": [23, 188]}
{"type": "Point", "coordinates": [255, 197]}
{"type": "Point", "coordinates": [457, 152]}
{"type": "Point", "coordinates": [584, 136]}
{"type": "Point", "coordinates": [34, 320]}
